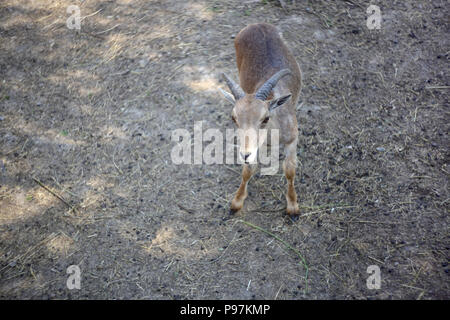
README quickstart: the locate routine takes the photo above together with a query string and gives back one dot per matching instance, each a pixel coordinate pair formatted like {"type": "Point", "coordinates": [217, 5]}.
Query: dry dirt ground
{"type": "Point", "coordinates": [86, 176]}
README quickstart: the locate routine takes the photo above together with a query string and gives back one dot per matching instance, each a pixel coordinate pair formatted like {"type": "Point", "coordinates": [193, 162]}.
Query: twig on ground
{"type": "Point", "coordinates": [55, 194]}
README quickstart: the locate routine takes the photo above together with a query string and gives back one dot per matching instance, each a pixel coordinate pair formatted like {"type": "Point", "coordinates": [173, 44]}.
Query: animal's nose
{"type": "Point", "coordinates": [245, 155]}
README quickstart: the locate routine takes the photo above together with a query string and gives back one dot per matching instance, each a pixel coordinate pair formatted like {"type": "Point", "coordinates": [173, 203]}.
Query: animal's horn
{"type": "Point", "coordinates": [267, 87]}
{"type": "Point", "coordinates": [236, 90]}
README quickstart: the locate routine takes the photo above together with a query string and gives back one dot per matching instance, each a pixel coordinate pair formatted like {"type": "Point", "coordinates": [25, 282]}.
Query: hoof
{"type": "Point", "coordinates": [291, 218]}
{"type": "Point", "coordinates": [293, 209]}
{"type": "Point", "coordinates": [236, 206]}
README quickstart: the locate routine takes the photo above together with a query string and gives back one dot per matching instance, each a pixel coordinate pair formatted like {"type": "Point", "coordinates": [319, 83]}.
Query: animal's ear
{"type": "Point", "coordinates": [275, 103]}
{"type": "Point", "coordinates": [228, 96]}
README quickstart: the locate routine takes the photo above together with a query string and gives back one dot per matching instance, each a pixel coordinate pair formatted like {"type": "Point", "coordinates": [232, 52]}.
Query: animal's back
{"type": "Point", "coordinates": [260, 52]}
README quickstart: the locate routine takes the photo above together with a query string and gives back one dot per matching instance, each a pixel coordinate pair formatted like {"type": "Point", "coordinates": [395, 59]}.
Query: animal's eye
{"type": "Point", "coordinates": [266, 119]}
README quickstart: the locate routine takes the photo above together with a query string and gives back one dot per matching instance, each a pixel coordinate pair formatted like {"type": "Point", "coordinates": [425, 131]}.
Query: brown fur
{"type": "Point", "coordinates": [260, 52]}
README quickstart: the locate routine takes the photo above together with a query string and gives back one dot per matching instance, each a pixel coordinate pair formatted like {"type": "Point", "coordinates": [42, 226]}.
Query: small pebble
{"type": "Point", "coordinates": [143, 63]}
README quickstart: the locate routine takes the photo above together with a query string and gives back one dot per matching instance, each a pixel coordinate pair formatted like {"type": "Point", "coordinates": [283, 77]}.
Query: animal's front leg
{"type": "Point", "coordinates": [289, 165]}
{"type": "Point", "coordinates": [241, 194]}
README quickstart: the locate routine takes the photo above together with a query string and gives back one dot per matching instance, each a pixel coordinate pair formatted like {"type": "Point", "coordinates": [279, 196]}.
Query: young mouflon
{"type": "Point", "coordinates": [270, 82]}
